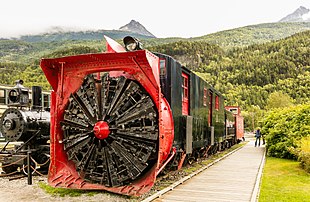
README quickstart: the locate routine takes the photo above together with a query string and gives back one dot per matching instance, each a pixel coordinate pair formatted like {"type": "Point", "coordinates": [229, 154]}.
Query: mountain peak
{"type": "Point", "coordinates": [302, 14]}
{"type": "Point", "coordinates": [136, 27]}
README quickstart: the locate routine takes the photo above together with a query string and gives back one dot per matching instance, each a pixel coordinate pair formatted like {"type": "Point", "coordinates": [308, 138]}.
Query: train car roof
{"type": "Point", "coordinates": [6, 86]}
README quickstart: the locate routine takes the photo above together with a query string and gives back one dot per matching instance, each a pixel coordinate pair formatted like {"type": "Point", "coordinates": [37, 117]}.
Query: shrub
{"type": "Point", "coordinates": [304, 153]}
{"type": "Point", "coordinates": [284, 130]}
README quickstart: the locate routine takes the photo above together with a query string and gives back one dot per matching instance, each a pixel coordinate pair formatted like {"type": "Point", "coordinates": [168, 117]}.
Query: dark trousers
{"type": "Point", "coordinates": [257, 138]}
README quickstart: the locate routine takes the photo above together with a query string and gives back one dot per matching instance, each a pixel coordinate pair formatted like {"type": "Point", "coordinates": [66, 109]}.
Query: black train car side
{"type": "Point", "coordinates": [198, 110]}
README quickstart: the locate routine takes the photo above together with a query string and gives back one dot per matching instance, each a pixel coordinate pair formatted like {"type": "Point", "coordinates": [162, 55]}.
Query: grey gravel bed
{"type": "Point", "coordinates": [19, 190]}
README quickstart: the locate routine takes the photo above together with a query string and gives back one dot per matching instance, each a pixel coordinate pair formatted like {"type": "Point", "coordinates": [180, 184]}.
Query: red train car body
{"type": "Point", "coordinates": [239, 122]}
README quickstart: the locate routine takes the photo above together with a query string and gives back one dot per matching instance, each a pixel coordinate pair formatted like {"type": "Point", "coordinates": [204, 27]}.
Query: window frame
{"type": "Point", "coordinates": [217, 103]}
{"type": "Point", "coordinates": [205, 97]}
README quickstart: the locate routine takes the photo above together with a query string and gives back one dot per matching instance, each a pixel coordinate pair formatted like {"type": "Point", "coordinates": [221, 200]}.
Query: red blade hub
{"type": "Point", "coordinates": [101, 130]}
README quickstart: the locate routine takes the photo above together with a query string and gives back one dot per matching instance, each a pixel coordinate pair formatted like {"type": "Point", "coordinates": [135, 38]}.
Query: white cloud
{"type": "Point", "coordinates": [306, 16]}
{"type": "Point", "coordinates": [161, 17]}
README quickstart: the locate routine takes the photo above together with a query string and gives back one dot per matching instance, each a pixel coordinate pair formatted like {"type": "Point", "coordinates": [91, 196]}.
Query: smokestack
{"type": "Point", "coordinates": [36, 97]}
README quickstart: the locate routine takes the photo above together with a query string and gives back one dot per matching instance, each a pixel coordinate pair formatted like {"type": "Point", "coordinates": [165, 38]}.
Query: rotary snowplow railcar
{"type": "Point", "coordinates": [119, 117]}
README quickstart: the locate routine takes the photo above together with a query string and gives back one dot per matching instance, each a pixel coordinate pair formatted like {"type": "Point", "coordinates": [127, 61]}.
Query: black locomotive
{"type": "Point", "coordinates": [25, 126]}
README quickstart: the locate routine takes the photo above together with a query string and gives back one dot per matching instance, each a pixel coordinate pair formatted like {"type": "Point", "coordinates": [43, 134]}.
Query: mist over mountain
{"type": "Point", "coordinates": [60, 33]}
{"type": "Point", "coordinates": [302, 14]}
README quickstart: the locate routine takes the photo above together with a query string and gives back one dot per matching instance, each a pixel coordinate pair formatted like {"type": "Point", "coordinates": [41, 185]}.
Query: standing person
{"type": "Point", "coordinates": [257, 135]}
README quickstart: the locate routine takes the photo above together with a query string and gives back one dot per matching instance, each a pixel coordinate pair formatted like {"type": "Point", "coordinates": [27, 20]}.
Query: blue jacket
{"type": "Point", "coordinates": [258, 134]}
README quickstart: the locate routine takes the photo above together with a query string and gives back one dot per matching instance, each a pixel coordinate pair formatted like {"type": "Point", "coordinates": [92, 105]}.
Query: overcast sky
{"type": "Point", "coordinates": [163, 18]}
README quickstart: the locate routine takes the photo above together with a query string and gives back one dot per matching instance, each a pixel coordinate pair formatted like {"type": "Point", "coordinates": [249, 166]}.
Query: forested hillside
{"type": "Point", "coordinates": [31, 73]}
{"type": "Point", "coordinates": [245, 75]}
{"type": "Point", "coordinates": [254, 34]}
{"type": "Point", "coordinates": [31, 47]}
{"type": "Point", "coordinates": [243, 36]}
{"type": "Point", "coordinates": [248, 75]}
{"type": "Point", "coordinates": [27, 52]}
{"type": "Point", "coordinates": [246, 64]}
{"type": "Point", "coordinates": [257, 77]}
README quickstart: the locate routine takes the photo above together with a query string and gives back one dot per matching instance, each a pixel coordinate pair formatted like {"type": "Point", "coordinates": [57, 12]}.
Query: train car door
{"type": "Point", "coordinates": [185, 94]}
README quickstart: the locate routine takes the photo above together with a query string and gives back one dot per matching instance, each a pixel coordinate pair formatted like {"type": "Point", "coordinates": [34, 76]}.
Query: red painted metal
{"type": "Point", "coordinates": [101, 130]}
{"type": "Point", "coordinates": [185, 103]}
{"type": "Point", "coordinates": [240, 127]}
{"type": "Point", "coordinates": [239, 120]}
{"type": "Point", "coordinates": [174, 151]}
{"type": "Point", "coordinates": [66, 76]}
{"type": "Point", "coordinates": [180, 164]}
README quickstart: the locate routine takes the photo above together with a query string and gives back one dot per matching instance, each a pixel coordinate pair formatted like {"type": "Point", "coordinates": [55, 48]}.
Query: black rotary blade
{"type": "Point", "coordinates": [131, 145]}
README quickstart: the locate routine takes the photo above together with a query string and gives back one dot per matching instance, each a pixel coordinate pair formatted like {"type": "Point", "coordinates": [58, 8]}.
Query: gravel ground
{"type": "Point", "coordinates": [19, 190]}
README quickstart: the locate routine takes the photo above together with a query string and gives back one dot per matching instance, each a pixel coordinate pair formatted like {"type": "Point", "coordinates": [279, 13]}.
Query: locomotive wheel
{"type": "Point", "coordinates": [111, 130]}
{"type": "Point", "coordinates": [13, 125]}
{"type": "Point", "coordinates": [9, 169]}
{"type": "Point", "coordinates": [33, 169]}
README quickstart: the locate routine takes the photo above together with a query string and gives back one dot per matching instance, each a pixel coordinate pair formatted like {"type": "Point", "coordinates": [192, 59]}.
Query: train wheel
{"type": "Point", "coordinates": [111, 130]}
{"type": "Point", "coordinates": [33, 168]}
{"type": "Point", "coordinates": [214, 149]}
{"type": "Point", "coordinates": [190, 160]}
{"type": "Point", "coordinates": [7, 168]}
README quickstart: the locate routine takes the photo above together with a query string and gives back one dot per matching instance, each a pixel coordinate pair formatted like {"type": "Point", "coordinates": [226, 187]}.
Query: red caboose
{"type": "Point", "coordinates": [239, 121]}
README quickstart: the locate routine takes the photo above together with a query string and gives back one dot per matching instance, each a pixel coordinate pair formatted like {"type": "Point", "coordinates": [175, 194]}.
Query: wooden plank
{"type": "Point", "coordinates": [232, 179]}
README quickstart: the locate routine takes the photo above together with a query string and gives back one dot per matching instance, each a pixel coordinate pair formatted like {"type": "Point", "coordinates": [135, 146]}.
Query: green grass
{"type": "Point", "coordinates": [284, 180]}
{"type": "Point", "coordinates": [62, 191]}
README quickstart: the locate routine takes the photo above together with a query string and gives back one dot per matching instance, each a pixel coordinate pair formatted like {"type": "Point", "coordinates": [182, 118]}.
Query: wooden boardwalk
{"type": "Point", "coordinates": [235, 178]}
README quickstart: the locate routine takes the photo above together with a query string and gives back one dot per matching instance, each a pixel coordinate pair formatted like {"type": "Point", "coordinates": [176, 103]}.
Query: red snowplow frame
{"type": "Point", "coordinates": [67, 74]}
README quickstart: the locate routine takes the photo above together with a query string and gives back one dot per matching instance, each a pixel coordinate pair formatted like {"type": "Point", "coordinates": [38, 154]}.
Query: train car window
{"type": "Point", "coordinates": [46, 102]}
{"type": "Point", "coordinates": [185, 103]}
{"type": "Point", "coordinates": [30, 96]}
{"type": "Point", "coordinates": [234, 110]}
{"type": "Point", "coordinates": [205, 97]}
{"type": "Point", "coordinates": [13, 96]}
{"type": "Point", "coordinates": [185, 86]}
{"type": "Point", "coordinates": [162, 63]}
{"type": "Point", "coordinates": [24, 97]}
{"type": "Point", "coordinates": [217, 102]}
{"type": "Point", "coordinates": [2, 96]}
{"type": "Point", "coordinates": [210, 108]}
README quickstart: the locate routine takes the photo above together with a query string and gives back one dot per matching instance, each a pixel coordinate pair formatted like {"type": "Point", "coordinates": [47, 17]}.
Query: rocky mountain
{"type": "Point", "coordinates": [302, 14]}
{"type": "Point", "coordinates": [136, 27]}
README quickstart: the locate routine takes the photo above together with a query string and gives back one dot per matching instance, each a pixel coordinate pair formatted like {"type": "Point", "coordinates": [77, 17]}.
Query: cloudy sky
{"type": "Point", "coordinates": [163, 18]}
